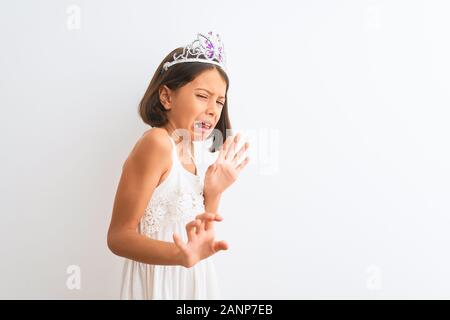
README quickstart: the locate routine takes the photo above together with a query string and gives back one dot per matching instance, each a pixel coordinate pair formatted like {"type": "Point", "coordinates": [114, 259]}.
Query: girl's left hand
{"type": "Point", "coordinates": [222, 173]}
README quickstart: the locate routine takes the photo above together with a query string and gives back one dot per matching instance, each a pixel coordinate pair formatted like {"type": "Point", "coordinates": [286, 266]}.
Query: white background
{"type": "Point", "coordinates": [355, 203]}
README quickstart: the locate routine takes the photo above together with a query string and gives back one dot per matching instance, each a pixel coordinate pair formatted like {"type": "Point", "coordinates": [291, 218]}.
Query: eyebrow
{"type": "Point", "coordinates": [221, 97]}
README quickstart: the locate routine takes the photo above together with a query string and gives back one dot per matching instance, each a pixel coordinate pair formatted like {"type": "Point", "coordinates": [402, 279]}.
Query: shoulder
{"type": "Point", "coordinates": [154, 145]}
{"type": "Point", "coordinates": [156, 138]}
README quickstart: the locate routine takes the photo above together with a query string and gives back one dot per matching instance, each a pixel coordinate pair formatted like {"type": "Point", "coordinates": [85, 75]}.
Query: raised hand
{"type": "Point", "coordinates": [201, 243]}
{"type": "Point", "coordinates": [224, 172]}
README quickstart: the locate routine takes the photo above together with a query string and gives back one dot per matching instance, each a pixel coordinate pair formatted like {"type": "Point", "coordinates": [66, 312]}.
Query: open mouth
{"type": "Point", "coordinates": [202, 125]}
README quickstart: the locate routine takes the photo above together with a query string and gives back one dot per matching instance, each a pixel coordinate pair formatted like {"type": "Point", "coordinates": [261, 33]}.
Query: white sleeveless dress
{"type": "Point", "coordinates": [174, 203]}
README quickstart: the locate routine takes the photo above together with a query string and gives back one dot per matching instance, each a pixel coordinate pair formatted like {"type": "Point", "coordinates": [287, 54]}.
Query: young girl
{"type": "Point", "coordinates": [164, 210]}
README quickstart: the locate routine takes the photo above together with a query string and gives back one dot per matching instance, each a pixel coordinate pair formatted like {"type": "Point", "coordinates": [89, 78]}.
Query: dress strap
{"type": "Point", "coordinates": [175, 160]}
{"type": "Point", "coordinates": [171, 140]}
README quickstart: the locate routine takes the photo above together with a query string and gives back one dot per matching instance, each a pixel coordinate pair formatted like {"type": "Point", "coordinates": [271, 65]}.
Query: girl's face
{"type": "Point", "coordinates": [197, 105]}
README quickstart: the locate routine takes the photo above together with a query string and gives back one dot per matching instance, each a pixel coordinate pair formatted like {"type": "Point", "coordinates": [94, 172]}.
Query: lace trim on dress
{"type": "Point", "coordinates": [170, 207]}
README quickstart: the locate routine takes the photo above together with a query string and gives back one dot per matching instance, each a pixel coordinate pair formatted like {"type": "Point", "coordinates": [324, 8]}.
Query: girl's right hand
{"type": "Point", "coordinates": [224, 172]}
{"type": "Point", "coordinates": [201, 243]}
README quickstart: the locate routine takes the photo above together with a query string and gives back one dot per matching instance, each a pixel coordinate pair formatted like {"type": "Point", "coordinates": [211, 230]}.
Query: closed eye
{"type": "Point", "coordinates": [204, 97]}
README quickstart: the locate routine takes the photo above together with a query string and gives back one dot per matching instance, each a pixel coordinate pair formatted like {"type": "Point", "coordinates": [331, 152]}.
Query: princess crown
{"type": "Point", "coordinates": [206, 49]}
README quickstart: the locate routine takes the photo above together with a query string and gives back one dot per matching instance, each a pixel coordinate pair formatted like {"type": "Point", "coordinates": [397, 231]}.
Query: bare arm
{"type": "Point", "coordinates": [142, 170]}
{"type": "Point", "coordinates": [212, 202]}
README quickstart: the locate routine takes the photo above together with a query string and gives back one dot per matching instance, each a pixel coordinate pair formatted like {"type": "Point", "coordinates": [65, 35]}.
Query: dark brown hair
{"type": "Point", "coordinates": [153, 112]}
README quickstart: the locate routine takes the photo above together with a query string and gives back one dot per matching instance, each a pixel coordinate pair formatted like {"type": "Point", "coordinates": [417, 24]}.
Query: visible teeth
{"type": "Point", "coordinates": [200, 124]}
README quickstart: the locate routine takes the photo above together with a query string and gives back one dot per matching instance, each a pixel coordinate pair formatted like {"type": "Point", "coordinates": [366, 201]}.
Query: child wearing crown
{"type": "Point", "coordinates": [165, 210]}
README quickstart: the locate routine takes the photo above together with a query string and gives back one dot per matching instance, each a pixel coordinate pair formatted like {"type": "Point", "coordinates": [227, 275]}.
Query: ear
{"type": "Point", "coordinates": [165, 97]}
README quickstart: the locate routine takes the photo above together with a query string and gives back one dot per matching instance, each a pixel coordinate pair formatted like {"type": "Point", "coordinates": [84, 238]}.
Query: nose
{"type": "Point", "coordinates": [210, 112]}
{"type": "Point", "coordinates": [213, 109]}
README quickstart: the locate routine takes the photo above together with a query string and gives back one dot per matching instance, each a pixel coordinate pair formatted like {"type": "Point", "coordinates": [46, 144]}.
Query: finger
{"type": "Point", "coordinates": [209, 219]}
{"type": "Point", "coordinates": [220, 245]}
{"type": "Point", "coordinates": [232, 148]}
{"type": "Point", "coordinates": [243, 164]}
{"type": "Point", "coordinates": [224, 149]}
{"type": "Point", "coordinates": [199, 226]}
{"type": "Point", "coordinates": [178, 242]}
{"type": "Point", "coordinates": [190, 225]}
{"type": "Point", "coordinates": [239, 154]}
{"type": "Point", "coordinates": [209, 216]}
{"type": "Point", "coordinates": [209, 224]}
{"type": "Point", "coordinates": [206, 216]}
{"type": "Point", "coordinates": [190, 229]}
{"type": "Point", "coordinates": [212, 168]}
{"type": "Point", "coordinates": [193, 231]}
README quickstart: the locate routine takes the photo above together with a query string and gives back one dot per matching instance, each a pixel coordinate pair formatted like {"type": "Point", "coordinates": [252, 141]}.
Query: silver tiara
{"type": "Point", "coordinates": [206, 48]}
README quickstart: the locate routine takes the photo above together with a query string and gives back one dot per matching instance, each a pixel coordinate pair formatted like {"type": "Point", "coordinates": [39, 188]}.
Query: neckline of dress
{"type": "Point", "coordinates": [181, 165]}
